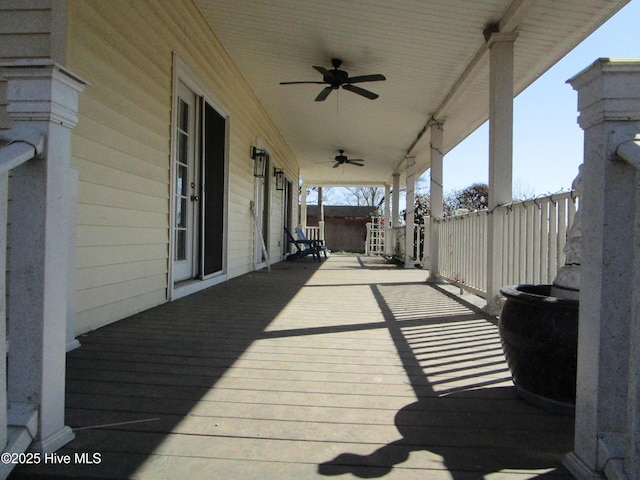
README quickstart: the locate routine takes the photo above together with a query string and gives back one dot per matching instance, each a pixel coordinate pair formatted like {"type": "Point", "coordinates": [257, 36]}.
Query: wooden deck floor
{"type": "Point", "coordinates": [353, 369]}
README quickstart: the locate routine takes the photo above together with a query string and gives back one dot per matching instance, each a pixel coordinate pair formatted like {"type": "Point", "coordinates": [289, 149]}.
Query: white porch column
{"type": "Point", "coordinates": [607, 432]}
{"type": "Point", "coordinates": [437, 147]}
{"type": "Point", "coordinates": [303, 206]}
{"type": "Point", "coordinates": [72, 341]}
{"type": "Point", "coordinates": [387, 220]}
{"type": "Point", "coordinates": [395, 212]}
{"type": "Point", "coordinates": [42, 98]}
{"type": "Point", "coordinates": [395, 201]}
{"type": "Point", "coordinates": [409, 236]}
{"type": "Point", "coordinates": [500, 155]}
{"type": "Point", "coordinates": [321, 218]}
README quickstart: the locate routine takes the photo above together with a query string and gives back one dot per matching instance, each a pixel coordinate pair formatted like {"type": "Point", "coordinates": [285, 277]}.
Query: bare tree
{"type": "Point", "coordinates": [365, 196]}
{"type": "Point", "coordinates": [522, 190]}
{"type": "Point", "coordinates": [319, 195]}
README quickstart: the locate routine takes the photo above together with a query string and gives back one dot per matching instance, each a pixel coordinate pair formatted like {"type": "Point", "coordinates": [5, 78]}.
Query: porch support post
{"type": "Point", "coordinates": [409, 235]}
{"type": "Point", "coordinates": [42, 99]}
{"type": "Point", "coordinates": [72, 341]}
{"type": "Point", "coordinates": [395, 212]}
{"type": "Point", "coordinates": [303, 206]}
{"type": "Point", "coordinates": [387, 219]}
{"type": "Point", "coordinates": [395, 202]}
{"type": "Point", "coordinates": [437, 147]}
{"type": "Point", "coordinates": [607, 425]}
{"type": "Point", "coordinates": [500, 155]}
{"type": "Point", "coordinates": [321, 215]}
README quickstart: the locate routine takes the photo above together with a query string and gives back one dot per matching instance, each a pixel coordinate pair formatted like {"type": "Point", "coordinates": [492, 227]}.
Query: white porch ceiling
{"type": "Point", "coordinates": [432, 53]}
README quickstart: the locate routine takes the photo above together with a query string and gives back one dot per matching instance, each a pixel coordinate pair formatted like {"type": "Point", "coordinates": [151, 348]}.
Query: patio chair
{"type": "Point", "coordinates": [317, 244]}
{"type": "Point", "coordinates": [303, 247]}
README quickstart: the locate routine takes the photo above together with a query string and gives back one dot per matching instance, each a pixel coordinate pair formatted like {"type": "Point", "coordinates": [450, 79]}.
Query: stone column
{"type": "Point", "coordinates": [409, 235]}
{"type": "Point", "coordinates": [437, 147]}
{"type": "Point", "coordinates": [500, 155]}
{"type": "Point", "coordinates": [606, 432]}
{"type": "Point", "coordinates": [42, 98]}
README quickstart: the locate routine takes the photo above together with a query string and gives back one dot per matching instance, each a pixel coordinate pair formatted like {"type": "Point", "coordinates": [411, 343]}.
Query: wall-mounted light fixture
{"type": "Point", "coordinates": [279, 174]}
{"type": "Point", "coordinates": [259, 161]}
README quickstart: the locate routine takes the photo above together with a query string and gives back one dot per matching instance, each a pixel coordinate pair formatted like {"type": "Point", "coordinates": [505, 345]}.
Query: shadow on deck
{"type": "Point", "coordinates": [350, 368]}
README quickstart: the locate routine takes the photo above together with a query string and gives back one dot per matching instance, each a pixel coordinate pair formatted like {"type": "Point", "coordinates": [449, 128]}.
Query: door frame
{"type": "Point", "coordinates": [262, 190]}
{"type": "Point", "coordinates": [182, 73]}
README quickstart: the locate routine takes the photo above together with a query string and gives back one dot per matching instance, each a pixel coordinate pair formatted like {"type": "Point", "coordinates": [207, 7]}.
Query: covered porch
{"type": "Point", "coordinates": [352, 368]}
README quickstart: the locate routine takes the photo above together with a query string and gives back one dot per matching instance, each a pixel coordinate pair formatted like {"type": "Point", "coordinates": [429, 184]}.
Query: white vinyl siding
{"type": "Point", "coordinates": [122, 149]}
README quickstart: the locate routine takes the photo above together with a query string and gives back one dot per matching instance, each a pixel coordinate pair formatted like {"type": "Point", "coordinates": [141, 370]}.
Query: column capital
{"type": "Point", "coordinates": [608, 91]}
{"type": "Point", "coordinates": [496, 37]}
{"type": "Point", "coordinates": [42, 91]}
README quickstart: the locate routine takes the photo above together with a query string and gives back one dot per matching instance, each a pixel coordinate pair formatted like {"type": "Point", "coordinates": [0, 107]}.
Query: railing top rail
{"type": "Point", "coordinates": [552, 197]}
{"type": "Point", "coordinates": [537, 201]}
{"type": "Point", "coordinates": [16, 152]}
{"type": "Point", "coordinates": [630, 151]}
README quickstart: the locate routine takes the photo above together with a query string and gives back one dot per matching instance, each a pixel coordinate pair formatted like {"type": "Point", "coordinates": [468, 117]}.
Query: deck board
{"type": "Point", "coordinates": [352, 368]}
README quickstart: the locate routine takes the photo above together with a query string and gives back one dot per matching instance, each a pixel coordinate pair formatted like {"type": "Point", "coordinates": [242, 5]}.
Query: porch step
{"type": "Point", "coordinates": [22, 429]}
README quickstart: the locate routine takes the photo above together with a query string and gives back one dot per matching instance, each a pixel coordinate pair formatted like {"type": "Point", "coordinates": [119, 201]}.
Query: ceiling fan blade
{"type": "Point", "coordinates": [336, 165]}
{"type": "Point", "coordinates": [294, 83]}
{"type": "Point", "coordinates": [361, 91]}
{"type": "Point", "coordinates": [324, 94]}
{"type": "Point", "coordinates": [367, 78]}
{"type": "Point", "coordinates": [322, 70]}
{"type": "Point", "coordinates": [357, 164]}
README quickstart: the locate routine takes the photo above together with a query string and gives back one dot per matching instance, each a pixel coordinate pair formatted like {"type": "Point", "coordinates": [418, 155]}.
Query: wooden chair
{"type": "Point", "coordinates": [303, 247]}
{"type": "Point", "coordinates": [317, 244]}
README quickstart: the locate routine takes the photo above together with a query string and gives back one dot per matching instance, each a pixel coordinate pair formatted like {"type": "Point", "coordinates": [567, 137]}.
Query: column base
{"type": "Point", "coordinates": [434, 279]}
{"type": "Point", "coordinates": [54, 441]}
{"type": "Point", "coordinates": [579, 469]}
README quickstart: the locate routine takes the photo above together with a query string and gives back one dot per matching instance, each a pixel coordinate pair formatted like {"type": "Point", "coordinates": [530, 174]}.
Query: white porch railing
{"type": "Point", "coordinates": [313, 233]}
{"type": "Point", "coordinates": [534, 236]}
{"type": "Point", "coordinates": [397, 247]}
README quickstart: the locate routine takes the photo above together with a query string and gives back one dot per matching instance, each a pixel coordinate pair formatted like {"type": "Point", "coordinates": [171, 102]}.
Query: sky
{"type": "Point", "coordinates": [547, 143]}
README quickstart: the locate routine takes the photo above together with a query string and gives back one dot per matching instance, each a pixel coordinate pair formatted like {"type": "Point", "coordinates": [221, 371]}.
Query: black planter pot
{"type": "Point", "coordinates": [539, 336]}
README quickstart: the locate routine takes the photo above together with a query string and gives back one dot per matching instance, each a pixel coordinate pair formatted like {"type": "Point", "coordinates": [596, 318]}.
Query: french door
{"type": "Point", "coordinates": [199, 188]}
{"type": "Point", "coordinates": [185, 227]}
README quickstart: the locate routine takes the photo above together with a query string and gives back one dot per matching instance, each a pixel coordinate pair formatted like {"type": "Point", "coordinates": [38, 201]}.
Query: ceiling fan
{"type": "Point", "coordinates": [337, 78]}
{"type": "Point", "coordinates": [342, 159]}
